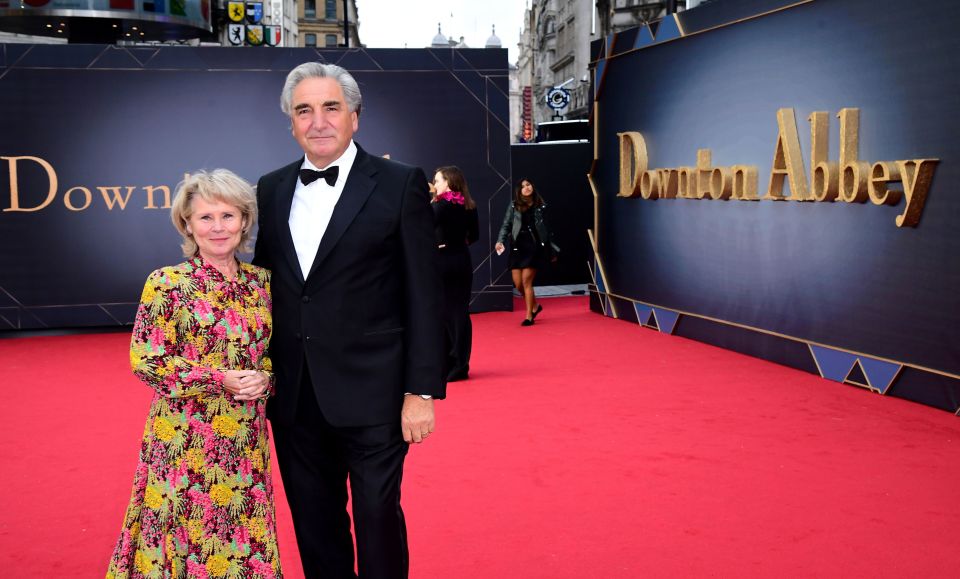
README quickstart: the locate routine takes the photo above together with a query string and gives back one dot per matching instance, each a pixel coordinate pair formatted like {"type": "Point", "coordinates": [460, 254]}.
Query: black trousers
{"type": "Point", "coordinates": [457, 273]}
{"type": "Point", "coordinates": [315, 461]}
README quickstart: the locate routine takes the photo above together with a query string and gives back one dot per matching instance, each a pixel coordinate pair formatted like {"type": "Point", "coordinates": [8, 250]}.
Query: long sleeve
{"type": "Point", "coordinates": [160, 340]}
{"type": "Point", "coordinates": [505, 228]}
{"type": "Point", "coordinates": [424, 335]}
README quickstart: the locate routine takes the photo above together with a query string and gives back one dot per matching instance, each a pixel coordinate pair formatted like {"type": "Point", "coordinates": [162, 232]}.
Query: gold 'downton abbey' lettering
{"type": "Point", "coordinates": [78, 198]}
{"type": "Point", "coordinates": [849, 179]}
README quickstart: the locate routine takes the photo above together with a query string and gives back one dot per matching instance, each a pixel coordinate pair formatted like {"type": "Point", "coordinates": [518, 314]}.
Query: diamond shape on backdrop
{"type": "Point", "coordinates": [654, 26]}
{"type": "Point", "coordinates": [481, 59]}
{"type": "Point", "coordinates": [444, 56]}
{"type": "Point", "coordinates": [124, 313]}
{"type": "Point", "coordinates": [498, 102]}
{"type": "Point", "coordinates": [182, 59]}
{"type": "Point", "coordinates": [643, 313]}
{"type": "Point", "coordinates": [225, 58]}
{"type": "Point", "coordinates": [115, 57]}
{"type": "Point", "coordinates": [60, 56]}
{"type": "Point", "coordinates": [833, 364]}
{"type": "Point", "coordinates": [286, 59]}
{"type": "Point", "coordinates": [880, 374]}
{"type": "Point", "coordinates": [666, 319]}
{"type": "Point", "coordinates": [652, 322]}
{"type": "Point", "coordinates": [598, 77]}
{"type": "Point", "coordinates": [624, 41]}
{"type": "Point", "coordinates": [403, 59]}
{"type": "Point", "coordinates": [607, 307]}
{"type": "Point", "coordinates": [143, 55]}
{"type": "Point", "coordinates": [599, 279]}
{"type": "Point", "coordinates": [668, 29]}
{"type": "Point", "coordinates": [12, 53]}
{"type": "Point", "coordinates": [473, 83]}
{"type": "Point", "coordinates": [72, 316]}
{"type": "Point", "coordinates": [856, 376]}
{"type": "Point", "coordinates": [358, 60]}
{"type": "Point", "coordinates": [644, 37]}
{"type": "Point", "coordinates": [10, 318]}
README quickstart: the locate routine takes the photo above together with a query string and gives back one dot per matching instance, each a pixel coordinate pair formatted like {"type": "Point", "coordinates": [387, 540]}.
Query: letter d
{"type": "Point", "coordinates": [15, 192]}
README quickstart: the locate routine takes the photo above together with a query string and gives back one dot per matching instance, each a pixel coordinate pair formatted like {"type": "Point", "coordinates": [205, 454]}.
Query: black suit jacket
{"type": "Point", "coordinates": [365, 320]}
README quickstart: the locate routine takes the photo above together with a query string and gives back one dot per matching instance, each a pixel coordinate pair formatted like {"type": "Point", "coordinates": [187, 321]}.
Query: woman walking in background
{"type": "Point", "coordinates": [531, 244]}
{"type": "Point", "coordinates": [456, 227]}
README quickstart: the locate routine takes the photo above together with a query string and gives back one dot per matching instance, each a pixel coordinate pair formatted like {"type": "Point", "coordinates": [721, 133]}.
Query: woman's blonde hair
{"type": "Point", "coordinates": [211, 186]}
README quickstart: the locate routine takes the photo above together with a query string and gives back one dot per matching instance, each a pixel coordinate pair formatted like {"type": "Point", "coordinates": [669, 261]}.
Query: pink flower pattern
{"type": "Point", "coordinates": [202, 500]}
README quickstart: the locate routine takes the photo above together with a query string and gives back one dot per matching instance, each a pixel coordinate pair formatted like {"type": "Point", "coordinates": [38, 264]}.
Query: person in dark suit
{"type": "Point", "coordinates": [357, 343]}
{"type": "Point", "coordinates": [456, 227]}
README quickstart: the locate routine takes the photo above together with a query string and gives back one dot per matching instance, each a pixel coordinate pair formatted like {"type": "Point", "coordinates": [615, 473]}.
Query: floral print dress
{"type": "Point", "coordinates": [202, 501]}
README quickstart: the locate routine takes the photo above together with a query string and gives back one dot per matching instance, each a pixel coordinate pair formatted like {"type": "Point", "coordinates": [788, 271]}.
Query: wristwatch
{"type": "Point", "coordinates": [424, 396]}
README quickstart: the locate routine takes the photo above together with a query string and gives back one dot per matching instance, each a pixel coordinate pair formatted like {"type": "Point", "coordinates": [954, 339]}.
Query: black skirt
{"type": "Point", "coordinates": [527, 251]}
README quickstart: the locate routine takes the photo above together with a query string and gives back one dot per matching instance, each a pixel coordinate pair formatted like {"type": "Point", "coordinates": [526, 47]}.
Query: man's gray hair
{"type": "Point", "coordinates": [351, 92]}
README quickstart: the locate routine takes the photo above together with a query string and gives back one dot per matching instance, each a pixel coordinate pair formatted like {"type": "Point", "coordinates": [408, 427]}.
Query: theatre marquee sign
{"type": "Point", "coordinates": [849, 179]}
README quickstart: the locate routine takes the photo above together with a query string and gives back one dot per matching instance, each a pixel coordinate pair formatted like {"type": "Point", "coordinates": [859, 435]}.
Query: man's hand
{"type": "Point", "coordinates": [416, 418]}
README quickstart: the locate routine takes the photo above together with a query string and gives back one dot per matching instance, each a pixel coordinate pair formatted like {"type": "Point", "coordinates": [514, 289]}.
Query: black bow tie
{"type": "Point", "coordinates": [308, 176]}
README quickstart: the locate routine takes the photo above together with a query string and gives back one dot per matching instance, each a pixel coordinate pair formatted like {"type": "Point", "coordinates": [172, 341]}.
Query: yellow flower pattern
{"type": "Point", "coordinates": [202, 499]}
{"type": "Point", "coordinates": [226, 426]}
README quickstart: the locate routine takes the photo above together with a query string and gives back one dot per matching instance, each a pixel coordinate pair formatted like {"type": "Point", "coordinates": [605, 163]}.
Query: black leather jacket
{"type": "Point", "coordinates": [511, 227]}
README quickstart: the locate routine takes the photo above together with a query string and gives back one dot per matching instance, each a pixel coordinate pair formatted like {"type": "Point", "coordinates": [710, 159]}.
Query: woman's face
{"type": "Point", "coordinates": [440, 183]}
{"type": "Point", "coordinates": [526, 188]}
{"type": "Point", "coordinates": [216, 227]}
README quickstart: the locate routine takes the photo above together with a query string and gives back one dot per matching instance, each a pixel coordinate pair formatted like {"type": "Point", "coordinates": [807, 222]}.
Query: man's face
{"type": "Point", "coordinates": [322, 123]}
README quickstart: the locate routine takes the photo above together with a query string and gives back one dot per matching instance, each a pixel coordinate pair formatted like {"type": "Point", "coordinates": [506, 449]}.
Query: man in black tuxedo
{"type": "Point", "coordinates": [357, 339]}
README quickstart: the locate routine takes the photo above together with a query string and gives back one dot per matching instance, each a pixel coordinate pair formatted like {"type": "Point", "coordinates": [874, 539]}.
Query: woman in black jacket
{"type": "Point", "coordinates": [531, 244]}
{"type": "Point", "coordinates": [456, 226]}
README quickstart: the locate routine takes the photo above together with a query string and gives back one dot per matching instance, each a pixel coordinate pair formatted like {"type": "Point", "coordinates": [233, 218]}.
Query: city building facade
{"type": "Point", "coordinates": [321, 23]}
{"type": "Point", "coordinates": [553, 66]}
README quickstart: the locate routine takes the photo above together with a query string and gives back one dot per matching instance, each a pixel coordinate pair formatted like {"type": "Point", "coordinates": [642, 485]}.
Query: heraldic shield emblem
{"type": "Point", "coordinates": [273, 35]}
{"type": "Point", "coordinates": [235, 11]}
{"type": "Point", "coordinates": [254, 12]}
{"type": "Point", "coordinates": [255, 34]}
{"type": "Point", "coordinates": [235, 34]}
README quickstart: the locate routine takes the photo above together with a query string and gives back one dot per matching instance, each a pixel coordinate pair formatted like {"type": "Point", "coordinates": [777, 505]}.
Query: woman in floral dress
{"type": "Point", "coordinates": [202, 501]}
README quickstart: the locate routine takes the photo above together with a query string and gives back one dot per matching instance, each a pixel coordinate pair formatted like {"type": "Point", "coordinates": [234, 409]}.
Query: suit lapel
{"type": "Point", "coordinates": [360, 184]}
{"type": "Point", "coordinates": [288, 185]}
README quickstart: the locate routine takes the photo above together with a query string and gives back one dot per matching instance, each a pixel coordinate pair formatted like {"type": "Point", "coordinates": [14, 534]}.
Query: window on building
{"type": "Point", "coordinates": [310, 40]}
{"type": "Point", "coordinates": [331, 9]}
{"type": "Point", "coordinates": [309, 8]}
{"type": "Point", "coordinates": [331, 40]}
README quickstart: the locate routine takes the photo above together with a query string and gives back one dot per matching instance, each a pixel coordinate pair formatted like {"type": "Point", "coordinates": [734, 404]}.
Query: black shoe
{"type": "Point", "coordinates": [526, 323]}
{"type": "Point", "coordinates": [537, 311]}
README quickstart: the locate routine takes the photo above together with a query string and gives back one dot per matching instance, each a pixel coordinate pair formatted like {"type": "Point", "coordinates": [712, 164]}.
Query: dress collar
{"type": "Point", "coordinates": [203, 268]}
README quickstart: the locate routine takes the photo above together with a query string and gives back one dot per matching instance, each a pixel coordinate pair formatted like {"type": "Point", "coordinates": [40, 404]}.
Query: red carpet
{"type": "Point", "coordinates": [580, 447]}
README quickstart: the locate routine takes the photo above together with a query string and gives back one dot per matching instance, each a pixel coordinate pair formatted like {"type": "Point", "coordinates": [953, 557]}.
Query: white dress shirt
{"type": "Point", "coordinates": [313, 206]}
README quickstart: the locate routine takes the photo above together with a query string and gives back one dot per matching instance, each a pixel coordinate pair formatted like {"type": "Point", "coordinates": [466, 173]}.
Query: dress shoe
{"type": "Point", "coordinates": [537, 311]}
{"type": "Point", "coordinates": [526, 323]}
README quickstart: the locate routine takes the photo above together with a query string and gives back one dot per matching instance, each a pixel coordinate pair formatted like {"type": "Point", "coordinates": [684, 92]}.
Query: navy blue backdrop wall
{"type": "Point", "coordinates": [833, 288]}
{"type": "Point", "coordinates": [88, 132]}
